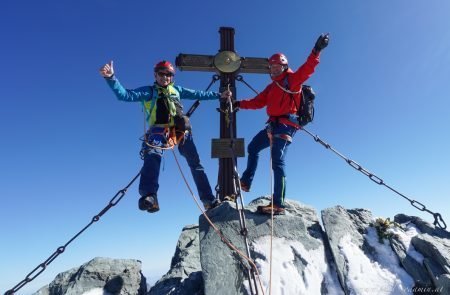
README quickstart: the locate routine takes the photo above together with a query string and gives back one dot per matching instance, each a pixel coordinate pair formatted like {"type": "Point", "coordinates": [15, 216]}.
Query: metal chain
{"type": "Point", "coordinates": [416, 204]}
{"type": "Point", "coordinates": [41, 267]}
{"type": "Point", "coordinates": [241, 79]}
{"type": "Point", "coordinates": [197, 102]}
{"type": "Point", "coordinates": [438, 220]}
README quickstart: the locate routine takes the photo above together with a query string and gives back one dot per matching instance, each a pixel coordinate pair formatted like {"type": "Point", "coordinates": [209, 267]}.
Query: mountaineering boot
{"type": "Point", "coordinates": [230, 198]}
{"type": "Point", "coordinates": [149, 203]}
{"type": "Point", "coordinates": [244, 186]}
{"type": "Point", "coordinates": [211, 204]}
{"type": "Point", "coordinates": [277, 210]}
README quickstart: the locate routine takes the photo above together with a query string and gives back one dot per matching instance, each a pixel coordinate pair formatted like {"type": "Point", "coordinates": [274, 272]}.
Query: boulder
{"type": "Point", "coordinates": [185, 274]}
{"type": "Point", "coordinates": [99, 276]}
{"type": "Point", "coordinates": [299, 253]}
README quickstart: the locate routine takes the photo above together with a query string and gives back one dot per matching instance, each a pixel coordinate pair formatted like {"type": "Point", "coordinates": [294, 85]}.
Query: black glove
{"type": "Point", "coordinates": [321, 42]}
{"type": "Point", "coordinates": [236, 105]}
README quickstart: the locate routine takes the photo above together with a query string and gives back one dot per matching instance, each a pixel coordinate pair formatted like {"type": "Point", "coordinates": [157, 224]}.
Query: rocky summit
{"type": "Point", "coordinates": [347, 251]}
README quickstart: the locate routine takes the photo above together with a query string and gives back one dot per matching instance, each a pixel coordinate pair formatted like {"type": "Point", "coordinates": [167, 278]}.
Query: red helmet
{"type": "Point", "coordinates": [164, 65]}
{"type": "Point", "coordinates": [278, 58]}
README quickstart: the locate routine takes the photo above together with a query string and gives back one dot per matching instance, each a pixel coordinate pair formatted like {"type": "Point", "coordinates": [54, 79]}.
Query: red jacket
{"type": "Point", "coordinates": [278, 102]}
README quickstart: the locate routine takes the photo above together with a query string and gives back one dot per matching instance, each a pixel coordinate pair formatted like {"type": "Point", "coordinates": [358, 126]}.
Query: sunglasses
{"type": "Point", "coordinates": [276, 66]}
{"type": "Point", "coordinates": [161, 74]}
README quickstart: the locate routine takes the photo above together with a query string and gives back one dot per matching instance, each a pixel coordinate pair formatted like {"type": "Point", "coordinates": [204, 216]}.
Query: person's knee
{"type": "Point", "coordinates": [253, 148]}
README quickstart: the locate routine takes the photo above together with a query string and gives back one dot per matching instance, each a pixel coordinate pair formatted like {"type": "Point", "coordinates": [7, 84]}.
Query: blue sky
{"type": "Point", "coordinates": [68, 145]}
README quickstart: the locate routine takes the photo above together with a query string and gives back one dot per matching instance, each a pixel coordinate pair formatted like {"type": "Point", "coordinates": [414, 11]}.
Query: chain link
{"type": "Point", "coordinates": [41, 267]}
{"type": "Point", "coordinates": [241, 79]}
{"type": "Point", "coordinates": [197, 102]}
{"type": "Point", "coordinates": [438, 220]}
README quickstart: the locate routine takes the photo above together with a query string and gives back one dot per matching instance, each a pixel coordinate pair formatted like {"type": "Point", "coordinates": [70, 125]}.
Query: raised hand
{"type": "Point", "coordinates": [321, 42]}
{"type": "Point", "coordinates": [224, 96]}
{"type": "Point", "coordinates": [107, 70]}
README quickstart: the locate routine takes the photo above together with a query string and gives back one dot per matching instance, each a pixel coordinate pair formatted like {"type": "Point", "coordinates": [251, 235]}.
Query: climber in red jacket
{"type": "Point", "coordinates": [281, 99]}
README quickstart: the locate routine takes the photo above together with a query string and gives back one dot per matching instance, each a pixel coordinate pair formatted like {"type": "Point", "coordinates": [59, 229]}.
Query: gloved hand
{"type": "Point", "coordinates": [321, 42]}
{"type": "Point", "coordinates": [236, 105]}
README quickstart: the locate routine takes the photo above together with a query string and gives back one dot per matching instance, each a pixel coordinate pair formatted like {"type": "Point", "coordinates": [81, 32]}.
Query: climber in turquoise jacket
{"type": "Point", "coordinates": [167, 127]}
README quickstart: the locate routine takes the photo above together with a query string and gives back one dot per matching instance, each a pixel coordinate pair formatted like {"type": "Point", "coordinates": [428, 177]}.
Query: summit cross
{"type": "Point", "coordinates": [228, 65]}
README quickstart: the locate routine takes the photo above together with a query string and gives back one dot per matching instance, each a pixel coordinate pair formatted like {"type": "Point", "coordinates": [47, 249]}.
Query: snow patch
{"type": "Point", "coordinates": [382, 276]}
{"type": "Point", "coordinates": [286, 278]}
{"type": "Point", "coordinates": [96, 291]}
{"type": "Point", "coordinates": [405, 238]}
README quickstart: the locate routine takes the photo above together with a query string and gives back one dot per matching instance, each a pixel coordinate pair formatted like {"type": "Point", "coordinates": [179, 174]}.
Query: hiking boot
{"type": "Point", "coordinates": [211, 204]}
{"type": "Point", "coordinates": [244, 186]}
{"type": "Point", "coordinates": [277, 210]}
{"type": "Point", "coordinates": [149, 203]}
{"type": "Point", "coordinates": [230, 198]}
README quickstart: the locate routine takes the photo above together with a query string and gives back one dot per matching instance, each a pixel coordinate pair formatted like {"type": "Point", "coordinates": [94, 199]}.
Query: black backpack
{"type": "Point", "coordinates": [305, 111]}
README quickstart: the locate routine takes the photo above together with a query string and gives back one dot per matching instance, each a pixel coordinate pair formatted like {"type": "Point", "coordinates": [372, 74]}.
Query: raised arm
{"type": "Point", "coordinates": [131, 95]}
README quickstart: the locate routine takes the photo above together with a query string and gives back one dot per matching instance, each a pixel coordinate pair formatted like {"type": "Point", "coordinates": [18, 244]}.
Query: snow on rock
{"type": "Point", "coordinates": [287, 276]}
{"type": "Point", "coordinates": [367, 275]}
{"type": "Point", "coordinates": [300, 260]}
{"type": "Point", "coordinates": [346, 256]}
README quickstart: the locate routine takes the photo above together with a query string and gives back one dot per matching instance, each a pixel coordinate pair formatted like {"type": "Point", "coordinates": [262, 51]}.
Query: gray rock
{"type": "Point", "coordinates": [434, 270]}
{"type": "Point", "coordinates": [339, 222]}
{"type": "Point", "coordinates": [185, 274]}
{"type": "Point", "coordinates": [225, 271]}
{"type": "Point", "coordinates": [114, 276]}
{"type": "Point", "coordinates": [443, 284]}
{"type": "Point", "coordinates": [422, 225]}
{"type": "Point", "coordinates": [435, 248]}
{"type": "Point", "coordinates": [434, 244]}
{"type": "Point", "coordinates": [412, 266]}
{"type": "Point", "coordinates": [204, 264]}
{"type": "Point", "coordinates": [437, 251]}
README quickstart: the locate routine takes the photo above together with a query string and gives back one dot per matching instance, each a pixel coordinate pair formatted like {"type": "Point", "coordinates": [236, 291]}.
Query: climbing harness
{"type": "Point", "coordinates": [172, 135]}
{"type": "Point", "coordinates": [166, 135]}
{"type": "Point", "coordinates": [42, 267]}
{"type": "Point", "coordinates": [438, 220]}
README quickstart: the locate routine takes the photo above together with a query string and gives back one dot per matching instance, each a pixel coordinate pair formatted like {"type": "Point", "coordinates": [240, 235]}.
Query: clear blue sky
{"type": "Point", "coordinates": [67, 144]}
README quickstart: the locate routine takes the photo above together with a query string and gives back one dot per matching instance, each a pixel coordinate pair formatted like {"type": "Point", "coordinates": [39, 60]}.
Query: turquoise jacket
{"type": "Point", "coordinates": [148, 95]}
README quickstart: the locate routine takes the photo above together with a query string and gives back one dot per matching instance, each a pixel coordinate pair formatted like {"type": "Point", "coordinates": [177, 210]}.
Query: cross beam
{"type": "Point", "coordinates": [227, 64]}
{"type": "Point", "coordinates": [205, 63]}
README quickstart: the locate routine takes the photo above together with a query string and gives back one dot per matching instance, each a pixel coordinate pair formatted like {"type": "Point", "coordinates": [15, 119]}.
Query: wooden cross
{"type": "Point", "coordinates": [227, 64]}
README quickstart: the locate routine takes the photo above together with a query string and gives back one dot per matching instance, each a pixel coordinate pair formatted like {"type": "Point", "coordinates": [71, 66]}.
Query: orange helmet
{"type": "Point", "coordinates": [164, 65]}
{"type": "Point", "coordinates": [278, 58]}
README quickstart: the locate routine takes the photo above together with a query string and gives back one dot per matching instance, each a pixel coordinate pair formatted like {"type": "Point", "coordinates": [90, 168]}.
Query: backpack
{"type": "Point", "coordinates": [305, 111]}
